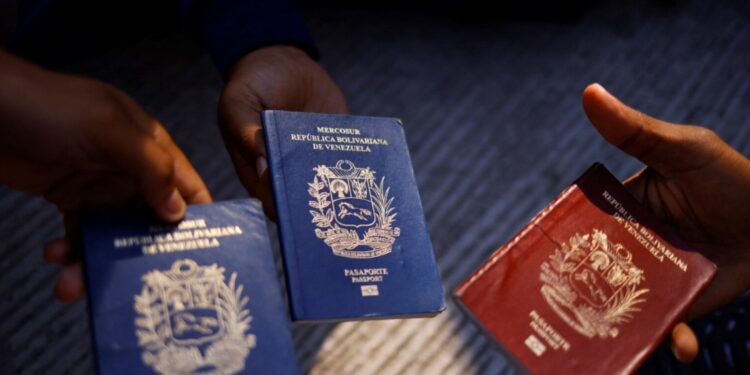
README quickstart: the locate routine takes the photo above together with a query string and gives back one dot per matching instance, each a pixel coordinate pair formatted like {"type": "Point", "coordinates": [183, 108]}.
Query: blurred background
{"type": "Point", "coordinates": [490, 100]}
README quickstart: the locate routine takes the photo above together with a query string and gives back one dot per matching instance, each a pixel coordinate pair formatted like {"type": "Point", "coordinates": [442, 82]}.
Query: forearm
{"type": "Point", "coordinates": [231, 29]}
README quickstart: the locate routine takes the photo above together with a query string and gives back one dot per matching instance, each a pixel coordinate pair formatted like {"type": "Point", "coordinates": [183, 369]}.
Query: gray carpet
{"type": "Point", "coordinates": [493, 118]}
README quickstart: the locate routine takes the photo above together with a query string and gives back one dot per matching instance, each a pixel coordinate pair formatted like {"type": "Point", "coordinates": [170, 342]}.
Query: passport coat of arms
{"type": "Point", "coordinates": [592, 284]}
{"type": "Point", "coordinates": [352, 213]}
{"type": "Point", "coordinates": [190, 321]}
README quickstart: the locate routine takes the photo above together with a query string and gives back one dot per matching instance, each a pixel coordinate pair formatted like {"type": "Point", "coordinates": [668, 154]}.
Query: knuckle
{"type": "Point", "coordinates": [166, 168]}
{"type": "Point", "coordinates": [158, 164]}
{"type": "Point", "coordinates": [238, 95]}
{"type": "Point", "coordinates": [157, 131]}
{"type": "Point", "coordinates": [164, 174]}
{"type": "Point", "coordinates": [701, 135]}
{"type": "Point", "coordinates": [109, 109]}
{"type": "Point", "coordinates": [247, 139]}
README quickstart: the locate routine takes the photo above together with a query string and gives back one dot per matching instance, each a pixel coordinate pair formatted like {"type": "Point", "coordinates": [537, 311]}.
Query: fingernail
{"type": "Point", "coordinates": [260, 166]}
{"type": "Point", "coordinates": [597, 84]}
{"type": "Point", "coordinates": [175, 206]}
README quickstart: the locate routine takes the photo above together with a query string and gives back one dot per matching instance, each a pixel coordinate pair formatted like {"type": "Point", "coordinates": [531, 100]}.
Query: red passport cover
{"type": "Point", "coordinates": [590, 286]}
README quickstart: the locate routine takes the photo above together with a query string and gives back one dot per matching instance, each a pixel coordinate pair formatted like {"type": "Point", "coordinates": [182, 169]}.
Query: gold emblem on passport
{"type": "Point", "coordinates": [352, 213]}
{"type": "Point", "coordinates": [592, 284]}
{"type": "Point", "coordinates": [190, 321]}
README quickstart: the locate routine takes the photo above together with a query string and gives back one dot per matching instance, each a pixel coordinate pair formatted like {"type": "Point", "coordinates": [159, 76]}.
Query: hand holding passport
{"type": "Point", "coordinates": [579, 304]}
{"type": "Point", "coordinates": [696, 183]}
{"type": "Point", "coordinates": [280, 77]}
{"type": "Point", "coordinates": [80, 143]}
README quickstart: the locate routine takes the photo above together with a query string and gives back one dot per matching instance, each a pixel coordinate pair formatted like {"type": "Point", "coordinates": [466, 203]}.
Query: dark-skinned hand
{"type": "Point", "coordinates": [277, 77]}
{"type": "Point", "coordinates": [695, 182]}
{"type": "Point", "coordinates": [83, 144]}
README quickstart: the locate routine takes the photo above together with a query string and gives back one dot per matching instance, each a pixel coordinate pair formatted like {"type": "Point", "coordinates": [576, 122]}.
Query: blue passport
{"type": "Point", "coordinates": [353, 233]}
{"type": "Point", "coordinates": [201, 296]}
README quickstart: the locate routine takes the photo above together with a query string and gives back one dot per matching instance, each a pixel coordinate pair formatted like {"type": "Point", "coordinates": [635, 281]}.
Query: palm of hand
{"type": "Point", "coordinates": [707, 204]}
{"type": "Point", "coordinates": [693, 181]}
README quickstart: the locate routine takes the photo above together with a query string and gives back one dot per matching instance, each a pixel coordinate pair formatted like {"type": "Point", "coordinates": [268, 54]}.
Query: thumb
{"type": "Point", "coordinates": [658, 144]}
{"type": "Point", "coordinates": [152, 167]}
{"type": "Point", "coordinates": [684, 343]}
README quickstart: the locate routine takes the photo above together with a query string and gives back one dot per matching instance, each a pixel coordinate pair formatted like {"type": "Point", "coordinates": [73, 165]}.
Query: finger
{"type": "Point", "coordinates": [134, 150]}
{"type": "Point", "coordinates": [133, 146]}
{"type": "Point", "coordinates": [731, 282]}
{"type": "Point", "coordinates": [656, 143]}
{"type": "Point", "coordinates": [266, 196]}
{"type": "Point", "coordinates": [64, 250]}
{"type": "Point", "coordinates": [239, 116]}
{"type": "Point", "coordinates": [188, 182]}
{"type": "Point", "coordinates": [69, 287]}
{"type": "Point", "coordinates": [261, 167]}
{"type": "Point", "coordinates": [684, 343]}
{"type": "Point", "coordinates": [258, 187]}
{"type": "Point", "coordinates": [57, 251]}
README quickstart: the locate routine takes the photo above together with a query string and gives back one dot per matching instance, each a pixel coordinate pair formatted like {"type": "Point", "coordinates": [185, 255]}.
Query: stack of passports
{"type": "Point", "coordinates": [590, 286]}
{"type": "Point", "coordinates": [352, 229]}
{"type": "Point", "coordinates": [198, 297]}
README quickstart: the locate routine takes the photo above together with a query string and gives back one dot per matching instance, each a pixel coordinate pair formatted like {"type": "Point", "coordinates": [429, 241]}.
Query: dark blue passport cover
{"type": "Point", "coordinates": [198, 296]}
{"type": "Point", "coordinates": [353, 233]}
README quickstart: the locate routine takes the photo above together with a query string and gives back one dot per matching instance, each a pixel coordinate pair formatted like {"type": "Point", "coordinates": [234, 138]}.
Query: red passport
{"type": "Point", "coordinates": [590, 286]}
